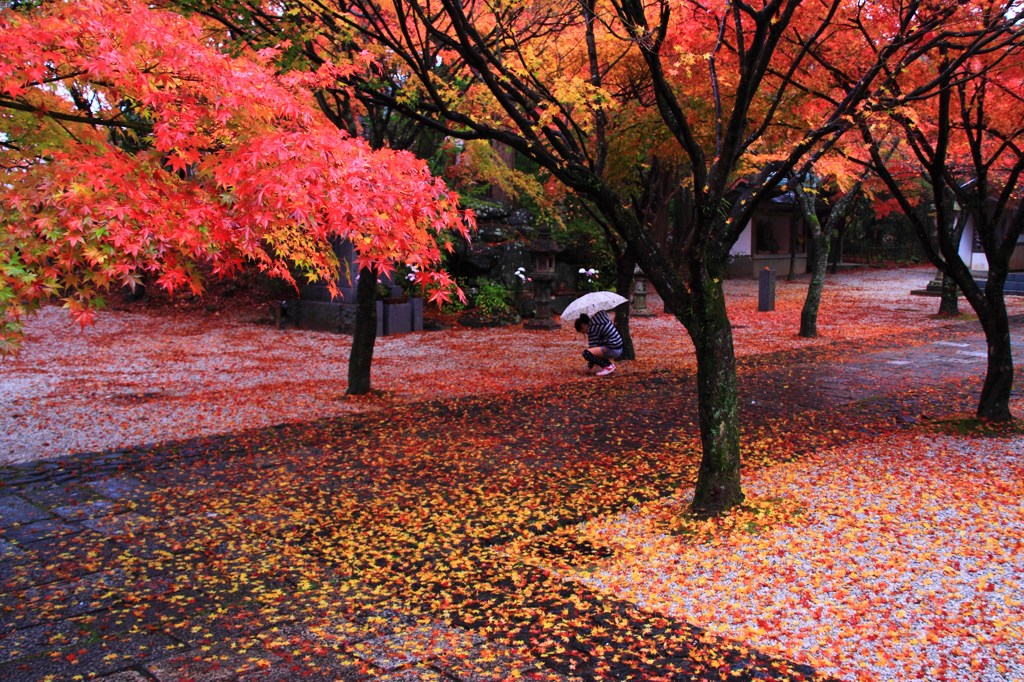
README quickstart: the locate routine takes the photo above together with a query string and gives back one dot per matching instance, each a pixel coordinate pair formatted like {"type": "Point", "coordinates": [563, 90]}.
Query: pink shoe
{"type": "Point", "coordinates": [607, 370]}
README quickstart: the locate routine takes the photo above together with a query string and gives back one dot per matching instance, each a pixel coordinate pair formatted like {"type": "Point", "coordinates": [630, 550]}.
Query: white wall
{"type": "Point", "coordinates": [974, 261]}
{"type": "Point", "coordinates": [743, 245]}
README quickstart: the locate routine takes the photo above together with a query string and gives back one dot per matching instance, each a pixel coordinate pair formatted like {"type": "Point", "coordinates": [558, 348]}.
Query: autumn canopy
{"type": "Point", "coordinates": [138, 145]}
{"type": "Point", "coordinates": [132, 148]}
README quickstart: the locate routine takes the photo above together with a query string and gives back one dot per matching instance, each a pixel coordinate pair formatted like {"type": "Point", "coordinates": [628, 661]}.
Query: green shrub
{"type": "Point", "coordinates": [493, 298]}
{"type": "Point", "coordinates": [453, 306]}
{"type": "Point", "coordinates": [589, 279]}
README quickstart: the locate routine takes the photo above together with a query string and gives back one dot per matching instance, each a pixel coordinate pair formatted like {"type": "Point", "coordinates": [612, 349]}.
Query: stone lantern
{"type": "Point", "coordinates": [544, 249]}
{"type": "Point", "coordinates": [640, 308]}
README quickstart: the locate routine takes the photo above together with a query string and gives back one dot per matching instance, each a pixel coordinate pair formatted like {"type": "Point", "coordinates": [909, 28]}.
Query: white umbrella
{"type": "Point", "coordinates": [591, 303]}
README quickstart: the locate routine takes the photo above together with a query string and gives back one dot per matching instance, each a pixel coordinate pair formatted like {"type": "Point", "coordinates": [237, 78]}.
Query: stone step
{"type": "Point", "coordinates": [1014, 285]}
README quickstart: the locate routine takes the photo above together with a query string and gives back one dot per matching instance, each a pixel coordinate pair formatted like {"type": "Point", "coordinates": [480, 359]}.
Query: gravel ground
{"type": "Point", "coordinates": [149, 376]}
{"type": "Point", "coordinates": [894, 560]}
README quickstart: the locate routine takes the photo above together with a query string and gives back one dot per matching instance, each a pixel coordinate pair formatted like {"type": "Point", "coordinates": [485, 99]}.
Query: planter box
{"type": "Point", "coordinates": [397, 318]}
{"type": "Point", "coordinates": [417, 314]}
{"type": "Point", "coordinates": [392, 317]}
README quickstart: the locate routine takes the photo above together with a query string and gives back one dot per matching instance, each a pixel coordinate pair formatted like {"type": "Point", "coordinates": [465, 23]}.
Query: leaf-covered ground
{"type": "Point", "coordinates": [533, 529]}
{"type": "Point", "coordinates": [144, 376]}
{"type": "Point", "coordinates": [896, 558]}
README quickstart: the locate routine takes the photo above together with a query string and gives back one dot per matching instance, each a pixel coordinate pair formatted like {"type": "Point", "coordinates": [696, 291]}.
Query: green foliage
{"type": "Point", "coordinates": [482, 166]}
{"type": "Point", "coordinates": [452, 307]}
{"type": "Point", "coordinates": [589, 280]}
{"type": "Point", "coordinates": [481, 206]}
{"type": "Point", "coordinates": [584, 240]}
{"type": "Point", "coordinates": [20, 5]}
{"type": "Point", "coordinates": [493, 298]}
{"type": "Point", "coordinates": [405, 276]}
{"type": "Point", "coordinates": [864, 227]}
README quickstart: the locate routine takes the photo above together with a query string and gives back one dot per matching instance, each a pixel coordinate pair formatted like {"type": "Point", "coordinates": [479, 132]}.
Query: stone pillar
{"type": "Point", "coordinates": [766, 290]}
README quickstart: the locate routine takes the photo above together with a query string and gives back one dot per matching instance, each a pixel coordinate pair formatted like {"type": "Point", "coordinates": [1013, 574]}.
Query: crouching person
{"type": "Point", "coordinates": [603, 341]}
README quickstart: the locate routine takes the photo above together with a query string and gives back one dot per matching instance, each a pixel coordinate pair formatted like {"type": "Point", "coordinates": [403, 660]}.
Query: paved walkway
{"type": "Point", "coordinates": [235, 558]}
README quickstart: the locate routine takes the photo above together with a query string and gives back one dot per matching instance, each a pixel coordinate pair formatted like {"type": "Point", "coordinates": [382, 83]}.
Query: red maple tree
{"type": "Point", "coordinates": [131, 146]}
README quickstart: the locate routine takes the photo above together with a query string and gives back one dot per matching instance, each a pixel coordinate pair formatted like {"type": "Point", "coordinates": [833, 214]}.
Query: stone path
{"type": "Point", "coordinates": [77, 534]}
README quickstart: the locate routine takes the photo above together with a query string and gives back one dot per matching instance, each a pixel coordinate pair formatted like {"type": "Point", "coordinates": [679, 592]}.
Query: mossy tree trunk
{"type": "Point", "coordinates": [693, 290]}
{"type": "Point", "coordinates": [949, 301]}
{"type": "Point", "coordinates": [821, 238]}
{"type": "Point", "coordinates": [809, 313]}
{"type": "Point", "coordinates": [718, 480]}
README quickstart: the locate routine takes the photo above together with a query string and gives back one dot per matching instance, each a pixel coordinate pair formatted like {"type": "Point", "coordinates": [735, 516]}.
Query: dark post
{"type": "Point", "coordinates": [766, 290]}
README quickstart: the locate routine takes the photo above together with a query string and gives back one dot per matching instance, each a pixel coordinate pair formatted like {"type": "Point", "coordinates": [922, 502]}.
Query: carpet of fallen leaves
{"type": "Point", "coordinates": [495, 504]}
{"type": "Point", "coordinates": [145, 376]}
{"type": "Point", "coordinates": [897, 559]}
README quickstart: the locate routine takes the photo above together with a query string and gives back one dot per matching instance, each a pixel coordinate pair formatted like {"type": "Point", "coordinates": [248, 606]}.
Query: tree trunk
{"type": "Point", "coordinates": [821, 240]}
{"type": "Point", "coordinates": [994, 403]}
{"type": "Point", "coordinates": [694, 293]}
{"type": "Point", "coordinates": [718, 481]}
{"type": "Point", "coordinates": [365, 334]}
{"type": "Point", "coordinates": [989, 303]}
{"type": "Point", "coordinates": [809, 314]}
{"type": "Point", "coordinates": [837, 253]}
{"type": "Point", "coordinates": [624, 267]}
{"type": "Point", "coordinates": [819, 246]}
{"type": "Point", "coordinates": [949, 302]}
{"type": "Point", "coordinates": [792, 246]}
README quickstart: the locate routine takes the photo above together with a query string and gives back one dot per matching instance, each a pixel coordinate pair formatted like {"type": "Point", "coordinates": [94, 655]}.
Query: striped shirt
{"type": "Point", "coordinates": [602, 332]}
